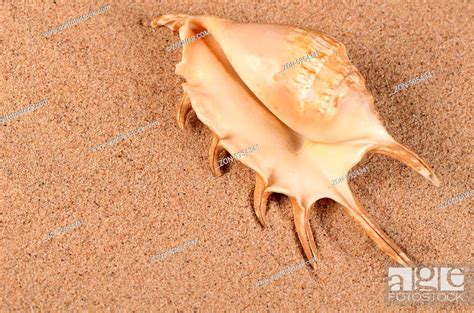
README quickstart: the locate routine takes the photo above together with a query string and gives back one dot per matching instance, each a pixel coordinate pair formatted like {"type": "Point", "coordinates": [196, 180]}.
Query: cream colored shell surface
{"type": "Point", "coordinates": [312, 123]}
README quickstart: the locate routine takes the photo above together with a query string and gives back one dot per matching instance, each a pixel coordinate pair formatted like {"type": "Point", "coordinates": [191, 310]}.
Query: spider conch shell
{"type": "Point", "coordinates": [312, 123]}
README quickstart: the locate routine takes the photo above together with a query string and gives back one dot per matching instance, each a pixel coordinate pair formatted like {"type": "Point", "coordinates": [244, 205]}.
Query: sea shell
{"type": "Point", "coordinates": [312, 122]}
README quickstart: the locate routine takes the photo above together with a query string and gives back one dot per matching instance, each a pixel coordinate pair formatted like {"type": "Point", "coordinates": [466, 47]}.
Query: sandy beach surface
{"type": "Point", "coordinates": [106, 205]}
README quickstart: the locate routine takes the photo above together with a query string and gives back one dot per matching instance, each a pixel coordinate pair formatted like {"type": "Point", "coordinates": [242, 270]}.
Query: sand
{"type": "Point", "coordinates": [87, 229]}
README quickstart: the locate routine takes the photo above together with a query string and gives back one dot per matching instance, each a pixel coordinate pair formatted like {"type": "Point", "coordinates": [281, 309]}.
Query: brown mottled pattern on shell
{"type": "Point", "coordinates": [326, 77]}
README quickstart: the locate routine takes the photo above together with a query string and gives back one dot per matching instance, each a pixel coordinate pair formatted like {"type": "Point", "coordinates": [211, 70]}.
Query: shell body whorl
{"type": "Point", "coordinates": [306, 97]}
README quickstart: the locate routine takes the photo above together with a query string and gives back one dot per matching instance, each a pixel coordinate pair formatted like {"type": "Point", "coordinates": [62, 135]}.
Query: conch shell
{"type": "Point", "coordinates": [312, 122]}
